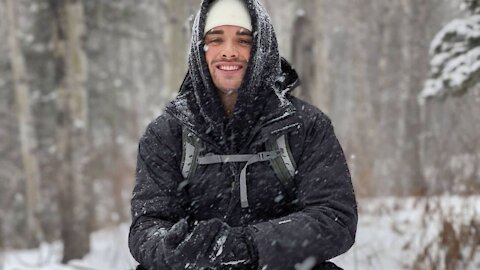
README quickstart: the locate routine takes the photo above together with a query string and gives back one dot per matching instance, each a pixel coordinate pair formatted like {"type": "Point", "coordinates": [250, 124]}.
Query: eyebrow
{"type": "Point", "coordinates": [244, 33]}
{"type": "Point", "coordinates": [240, 32]}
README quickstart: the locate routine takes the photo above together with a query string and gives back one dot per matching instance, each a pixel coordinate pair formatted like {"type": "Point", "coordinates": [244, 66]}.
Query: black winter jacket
{"type": "Point", "coordinates": [315, 220]}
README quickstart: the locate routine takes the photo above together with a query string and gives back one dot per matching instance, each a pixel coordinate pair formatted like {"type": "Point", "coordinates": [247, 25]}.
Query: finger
{"type": "Point", "coordinates": [211, 231]}
{"type": "Point", "coordinates": [176, 234]}
{"type": "Point", "coordinates": [201, 237]}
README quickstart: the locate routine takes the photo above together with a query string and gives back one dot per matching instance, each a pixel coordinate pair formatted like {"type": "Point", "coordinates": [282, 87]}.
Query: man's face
{"type": "Point", "coordinates": [227, 53]}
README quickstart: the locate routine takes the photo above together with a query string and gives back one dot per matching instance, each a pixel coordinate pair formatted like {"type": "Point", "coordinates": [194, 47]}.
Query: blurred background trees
{"type": "Point", "coordinates": [80, 79]}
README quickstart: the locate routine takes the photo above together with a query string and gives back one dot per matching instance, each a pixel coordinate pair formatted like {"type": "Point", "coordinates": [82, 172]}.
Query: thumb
{"type": "Point", "coordinates": [176, 234]}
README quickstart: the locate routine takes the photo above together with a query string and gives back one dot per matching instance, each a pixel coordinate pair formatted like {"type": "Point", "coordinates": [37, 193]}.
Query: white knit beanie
{"type": "Point", "coordinates": [228, 12]}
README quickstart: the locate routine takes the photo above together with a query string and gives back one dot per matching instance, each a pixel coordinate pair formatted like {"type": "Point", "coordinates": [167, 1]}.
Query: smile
{"type": "Point", "coordinates": [229, 68]}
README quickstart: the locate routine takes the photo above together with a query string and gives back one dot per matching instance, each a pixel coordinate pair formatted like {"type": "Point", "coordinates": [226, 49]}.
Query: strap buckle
{"type": "Point", "coordinates": [263, 156]}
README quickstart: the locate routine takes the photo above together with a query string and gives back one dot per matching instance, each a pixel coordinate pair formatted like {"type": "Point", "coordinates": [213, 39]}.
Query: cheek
{"type": "Point", "coordinates": [210, 54]}
{"type": "Point", "coordinates": [245, 52]}
{"type": "Point", "coordinates": [209, 60]}
{"type": "Point", "coordinates": [209, 57]}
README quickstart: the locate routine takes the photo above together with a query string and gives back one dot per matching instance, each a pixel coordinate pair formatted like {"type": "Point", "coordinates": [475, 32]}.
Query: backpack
{"type": "Point", "coordinates": [278, 153]}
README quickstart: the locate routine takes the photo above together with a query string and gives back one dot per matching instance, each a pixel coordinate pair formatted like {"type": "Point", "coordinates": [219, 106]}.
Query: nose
{"type": "Point", "coordinates": [229, 50]}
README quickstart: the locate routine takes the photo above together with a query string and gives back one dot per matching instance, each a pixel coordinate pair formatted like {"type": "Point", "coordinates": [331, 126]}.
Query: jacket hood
{"type": "Point", "coordinates": [267, 76]}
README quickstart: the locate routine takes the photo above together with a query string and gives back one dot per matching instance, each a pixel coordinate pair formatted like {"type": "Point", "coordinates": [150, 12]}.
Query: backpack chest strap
{"type": "Point", "coordinates": [262, 156]}
{"type": "Point", "coordinates": [248, 158]}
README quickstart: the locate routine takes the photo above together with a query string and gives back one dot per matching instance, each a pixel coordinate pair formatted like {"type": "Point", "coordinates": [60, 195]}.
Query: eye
{"type": "Point", "coordinates": [214, 41]}
{"type": "Point", "coordinates": [245, 41]}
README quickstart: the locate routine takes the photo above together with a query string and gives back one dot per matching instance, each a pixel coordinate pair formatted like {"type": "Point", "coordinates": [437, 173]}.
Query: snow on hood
{"type": "Point", "coordinates": [263, 66]}
{"type": "Point", "coordinates": [199, 104]}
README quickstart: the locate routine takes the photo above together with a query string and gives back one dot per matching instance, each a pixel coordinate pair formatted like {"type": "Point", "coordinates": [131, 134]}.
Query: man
{"type": "Point", "coordinates": [239, 174]}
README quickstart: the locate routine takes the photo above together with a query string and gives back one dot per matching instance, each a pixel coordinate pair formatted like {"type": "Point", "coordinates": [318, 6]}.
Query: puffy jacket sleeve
{"type": "Point", "coordinates": [157, 201]}
{"type": "Point", "coordinates": [325, 222]}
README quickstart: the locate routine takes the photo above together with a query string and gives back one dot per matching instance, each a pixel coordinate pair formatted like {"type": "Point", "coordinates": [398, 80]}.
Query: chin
{"type": "Point", "coordinates": [228, 87]}
{"type": "Point", "coordinates": [228, 91]}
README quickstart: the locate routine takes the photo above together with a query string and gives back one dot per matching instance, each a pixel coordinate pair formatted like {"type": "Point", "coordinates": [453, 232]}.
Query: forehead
{"type": "Point", "coordinates": [229, 29]}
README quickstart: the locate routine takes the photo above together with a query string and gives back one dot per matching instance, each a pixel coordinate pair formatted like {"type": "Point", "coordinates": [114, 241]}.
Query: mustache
{"type": "Point", "coordinates": [241, 61]}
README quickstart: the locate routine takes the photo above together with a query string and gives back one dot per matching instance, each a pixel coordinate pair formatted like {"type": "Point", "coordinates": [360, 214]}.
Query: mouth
{"type": "Point", "coordinates": [229, 67]}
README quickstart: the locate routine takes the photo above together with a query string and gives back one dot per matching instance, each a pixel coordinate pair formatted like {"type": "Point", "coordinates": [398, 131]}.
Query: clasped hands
{"type": "Point", "coordinates": [212, 244]}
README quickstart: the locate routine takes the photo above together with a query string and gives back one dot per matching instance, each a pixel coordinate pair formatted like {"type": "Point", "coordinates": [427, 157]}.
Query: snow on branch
{"type": "Point", "coordinates": [455, 58]}
{"type": "Point", "coordinates": [471, 5]}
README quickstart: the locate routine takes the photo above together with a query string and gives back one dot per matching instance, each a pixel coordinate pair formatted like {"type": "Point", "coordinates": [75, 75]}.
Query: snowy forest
{"type": "Point", "coordinates": [81, 79]}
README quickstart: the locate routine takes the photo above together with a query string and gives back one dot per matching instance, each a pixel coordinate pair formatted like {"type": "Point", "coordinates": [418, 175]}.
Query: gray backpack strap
{"type": "Point", "coordinates": [191, 145]}
{"type": "Point", "coordinates": [278, 153]}
{"type": "Point", "coordinates": [284, 165]}
{"type": "Point", "coordinates": [212, 159]}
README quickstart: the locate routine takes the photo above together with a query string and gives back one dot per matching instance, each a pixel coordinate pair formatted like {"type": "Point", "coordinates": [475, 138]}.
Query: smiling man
{"type": "Point", "coordinates": [237, 173]}
{"type": "Point", "coordinates": [227, 52]}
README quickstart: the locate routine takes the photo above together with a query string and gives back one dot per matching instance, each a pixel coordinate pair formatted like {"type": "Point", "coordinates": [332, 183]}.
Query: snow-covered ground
{"type": "Point", "coordinates": [109, 251]}
{"type": "Point", "coordinates": [392, 234]}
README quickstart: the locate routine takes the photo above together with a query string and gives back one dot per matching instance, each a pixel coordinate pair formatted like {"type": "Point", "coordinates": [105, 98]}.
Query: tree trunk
{"type": "Point", "coordinates": [417, 29]}
{"type": "Point", "coordinates": [71, 76]}
{"type": "Point", "coordinates": [176, 43]}
{"type": "Point", "coordinates": [303, 49]}
{"type": "Point", "coordinates": [28, 138]}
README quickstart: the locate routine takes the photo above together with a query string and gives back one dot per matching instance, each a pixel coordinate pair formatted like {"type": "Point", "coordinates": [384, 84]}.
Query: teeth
{"type": "Point", "coordinates": [228, 68]}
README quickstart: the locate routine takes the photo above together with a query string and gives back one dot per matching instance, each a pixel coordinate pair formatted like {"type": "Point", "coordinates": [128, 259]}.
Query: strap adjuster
{"type": "Point", "coordinates": [264, 156]}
